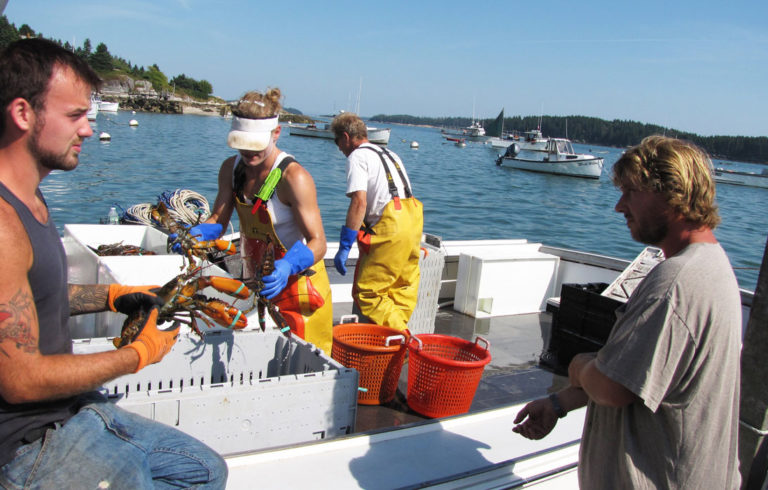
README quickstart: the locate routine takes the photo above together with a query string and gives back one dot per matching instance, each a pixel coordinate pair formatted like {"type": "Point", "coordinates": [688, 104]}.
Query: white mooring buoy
{"type": "Point", "coordinates": [133, 122]}
{"type": "Point", "coordinates": [104, 136]}
{"type": "Point", "coordinates": [415, 145]}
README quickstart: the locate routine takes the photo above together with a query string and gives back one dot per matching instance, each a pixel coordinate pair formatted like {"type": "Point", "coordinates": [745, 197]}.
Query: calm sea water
{"type": "Point", "coordinates": [465, 195]}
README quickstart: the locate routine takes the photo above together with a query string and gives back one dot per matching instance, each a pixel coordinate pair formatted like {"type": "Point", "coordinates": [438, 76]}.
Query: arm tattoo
{"type": "Point", "coordinates": [87, 298]}
{"type": "Point", "coordinates": [16, 319]}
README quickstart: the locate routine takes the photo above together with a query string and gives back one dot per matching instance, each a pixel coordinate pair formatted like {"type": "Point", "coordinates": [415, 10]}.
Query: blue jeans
{"type": "Point", "coordinates": [104, 446]}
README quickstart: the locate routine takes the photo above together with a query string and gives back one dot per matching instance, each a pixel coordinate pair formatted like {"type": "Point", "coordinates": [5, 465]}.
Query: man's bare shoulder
{"type": "Point", "coordinates": [14, 242]}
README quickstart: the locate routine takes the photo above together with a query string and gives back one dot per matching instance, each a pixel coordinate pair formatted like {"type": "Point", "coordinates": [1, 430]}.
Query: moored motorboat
{"type": "Point", "coordinates": [532, 140]}
{"type": "Point", "coordinates": [93, 111]}
{"type": "Point", "coordinates": [379, 136]}
{"type": "Point", "coordinates": [106, 106]}
{"type": "Point", "coordinates": [737, 177]}
{"type": "Point", "coordinates": [558, 157]}
{"type": "Point", "coordinates": [473, 132]}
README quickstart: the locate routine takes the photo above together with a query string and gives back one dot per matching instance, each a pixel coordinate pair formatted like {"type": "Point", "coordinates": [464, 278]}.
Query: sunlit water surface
{"type": "Point", "coordinates": [465, 195]}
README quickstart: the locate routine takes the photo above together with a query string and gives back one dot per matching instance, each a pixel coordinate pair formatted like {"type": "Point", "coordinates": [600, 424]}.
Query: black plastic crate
{"type": "Point", "coordinates": [584, 312]}
{"type": "Point", "coordinates": [581, 323]}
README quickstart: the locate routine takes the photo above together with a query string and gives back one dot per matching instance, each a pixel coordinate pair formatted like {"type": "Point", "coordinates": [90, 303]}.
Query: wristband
{"type": "Point", "coordinates": [556, 405]}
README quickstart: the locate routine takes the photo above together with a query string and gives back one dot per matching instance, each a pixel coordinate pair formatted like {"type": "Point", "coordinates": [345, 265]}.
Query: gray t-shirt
{"type": "Point", "coordinates": [675, 345]}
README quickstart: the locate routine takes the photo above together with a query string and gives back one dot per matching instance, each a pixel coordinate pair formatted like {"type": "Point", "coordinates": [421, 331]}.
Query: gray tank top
{"type": "Point", "coordinates": [48, 280]}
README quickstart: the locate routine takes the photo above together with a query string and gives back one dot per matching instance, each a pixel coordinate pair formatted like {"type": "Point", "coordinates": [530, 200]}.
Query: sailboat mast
{"type": "Point", "coordinates": [359, 90]}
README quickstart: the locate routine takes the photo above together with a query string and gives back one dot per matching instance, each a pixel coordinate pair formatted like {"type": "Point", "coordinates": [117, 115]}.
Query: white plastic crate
{"type": "Point", "coordinates": [510, 280]}
{"type": "Point", "coordinates": [431, 262]}
{"type": "Point", "coordinates": [79, 238]}
{"type": "Point", "coordinates": [624, 285]}
{"type": "Point", "coordinates": [240, 391]}
{"type": "Point", "coordinates": [83, 263]}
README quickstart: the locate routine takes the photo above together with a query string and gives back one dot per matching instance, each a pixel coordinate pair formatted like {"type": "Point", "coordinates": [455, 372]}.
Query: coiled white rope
{"type": "Point", "coordinates": [190, 206]}
{"type": "Point", "coordinates": [138, 214]}
{"type": "Point", "coordinates": [183, 205]}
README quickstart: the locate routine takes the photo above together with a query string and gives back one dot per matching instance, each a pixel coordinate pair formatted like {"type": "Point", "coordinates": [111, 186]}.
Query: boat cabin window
{"type": "Point", "coordinates": [552, 146]}
{"type": "Point", "coordinates": [560, 146]}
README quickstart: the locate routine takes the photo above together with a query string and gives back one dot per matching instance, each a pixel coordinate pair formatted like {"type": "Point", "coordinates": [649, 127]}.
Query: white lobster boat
{"type": "Point", "coordinates": [106, 106]}
{"type": "Point", "coordinates": [506, 291]}
{"type": "Point", "coordinates": [93, 110]}
{"type": "Point", "coordinates": [736, 177]}
{"type": "Point", "coordinates": [473, 132]}
{"type": "Point", "coordinates": [379, 136]}
{"type": "Point", "coordinates": [558, 157]}
{"type": "Point", "coordinates": [532, 140]}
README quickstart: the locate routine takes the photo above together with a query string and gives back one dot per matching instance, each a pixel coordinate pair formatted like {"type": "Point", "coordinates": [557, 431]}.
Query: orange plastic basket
{"type": "Point", "coordinates": [376, 352]}
{"type": "Point", "coordinates": [443, 373]}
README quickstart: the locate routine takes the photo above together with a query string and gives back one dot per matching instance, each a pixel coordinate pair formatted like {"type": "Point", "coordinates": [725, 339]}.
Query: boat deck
{"type": "Point", "coordinates": [394, 447]}
{"type": "Point", "coordinates": [513, 376]}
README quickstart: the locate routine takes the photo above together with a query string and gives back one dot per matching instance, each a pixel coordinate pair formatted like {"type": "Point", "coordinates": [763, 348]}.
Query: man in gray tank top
{"type": "Point", "coordinates": [55, 430]}
{"type": "Point", "coordinates": [662, 395]}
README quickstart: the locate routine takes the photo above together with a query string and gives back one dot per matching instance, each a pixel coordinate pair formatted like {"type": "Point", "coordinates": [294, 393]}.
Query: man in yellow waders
{"type": "Point", "coordinates": [386, 221]}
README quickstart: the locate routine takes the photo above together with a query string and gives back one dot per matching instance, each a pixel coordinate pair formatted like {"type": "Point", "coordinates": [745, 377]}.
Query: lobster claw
{"type": "Point", "coordinates": [221, 245]}
{"type": "Point", "coordinates": [224, 315]}
{"type": "Point", "coordinates": [227, 285]}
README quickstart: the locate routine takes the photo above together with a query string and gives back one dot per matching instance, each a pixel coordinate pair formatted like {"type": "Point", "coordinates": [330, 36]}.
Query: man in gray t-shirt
{"type": "Point", "coordinates": [662, 395]}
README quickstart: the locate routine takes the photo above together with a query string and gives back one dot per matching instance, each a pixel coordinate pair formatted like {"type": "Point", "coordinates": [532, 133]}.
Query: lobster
{"type": "Point", "coordinates": [190, 246]}
{"type": "Point", "coordinates": [263, 303]}
{"type": "Point", "coordinates": [184, 303]}
{"type": "Point", "coordinates": [120, 249]}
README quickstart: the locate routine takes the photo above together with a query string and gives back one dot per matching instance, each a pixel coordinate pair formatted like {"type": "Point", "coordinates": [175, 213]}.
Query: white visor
{"type": "Point", "coordinates": [251, 134]}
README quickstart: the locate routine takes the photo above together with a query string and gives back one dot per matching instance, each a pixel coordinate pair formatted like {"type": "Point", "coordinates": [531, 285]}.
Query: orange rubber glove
{"type": "Point", "coordinates": [151, 343]}
{"type": "Point", "coordinates": [128, 299]}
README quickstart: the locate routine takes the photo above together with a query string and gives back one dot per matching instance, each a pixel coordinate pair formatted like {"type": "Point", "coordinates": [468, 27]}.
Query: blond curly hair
{"type": "Point", "coordinates": [255, 105]}
{"type": "Point", "coordinates": [678, 170]}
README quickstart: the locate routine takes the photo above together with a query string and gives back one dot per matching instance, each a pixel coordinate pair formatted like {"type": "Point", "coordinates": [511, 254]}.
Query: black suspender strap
{"type": "Point", "coordinates": [390, 180]}
{"type": "Point", "coordinates": [285, 162]}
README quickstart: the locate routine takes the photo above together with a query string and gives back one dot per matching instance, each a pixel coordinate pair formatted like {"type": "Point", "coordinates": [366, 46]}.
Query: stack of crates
{"type": "Point", "coordinates": [586, 313]}
{"type": "Point", "coordinates": [582, 323]}
{"type": "Point", "coordinates": [431, 263]}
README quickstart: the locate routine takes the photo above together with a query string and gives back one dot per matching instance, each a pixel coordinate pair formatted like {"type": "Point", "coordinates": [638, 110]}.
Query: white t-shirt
{"type": "Point", "coordinates": [365, 172]}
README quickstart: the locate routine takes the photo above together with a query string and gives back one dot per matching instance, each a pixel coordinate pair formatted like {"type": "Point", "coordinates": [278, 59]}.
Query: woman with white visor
{"type": "Point", "coordinates": [282, 242]}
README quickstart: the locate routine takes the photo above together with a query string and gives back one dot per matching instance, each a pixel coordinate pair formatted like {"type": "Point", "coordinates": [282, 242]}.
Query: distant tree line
{"type": "Point", "coordinates": [110, 67]}
{"type": "Point", "coordinates": [616, 133]}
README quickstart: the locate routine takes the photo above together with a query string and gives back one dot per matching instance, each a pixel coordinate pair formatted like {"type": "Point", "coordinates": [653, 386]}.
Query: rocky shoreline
{"type": "Point", "coordinates": [164, 106]}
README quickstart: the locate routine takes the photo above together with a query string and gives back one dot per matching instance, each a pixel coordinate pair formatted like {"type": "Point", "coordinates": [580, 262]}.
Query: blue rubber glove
{"type": "Point", "coordinates": [348, 237]}
{"type": "Point", "coordinates": [203, 232]}
{"type": "Point", "coordinates": [298, 258]}
{"type": "Point", "coordinates": [206, 231]}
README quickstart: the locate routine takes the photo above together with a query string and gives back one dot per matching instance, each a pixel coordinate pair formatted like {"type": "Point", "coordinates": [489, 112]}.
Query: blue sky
{"type": "Point", "coordinates": [699, 66]}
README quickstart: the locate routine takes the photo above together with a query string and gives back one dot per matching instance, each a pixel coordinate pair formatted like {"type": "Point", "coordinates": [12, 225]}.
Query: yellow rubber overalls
{"type": "Point", "coordinates": [386, 282]}
{"type": "Point", "coordinates": [305, 304]}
